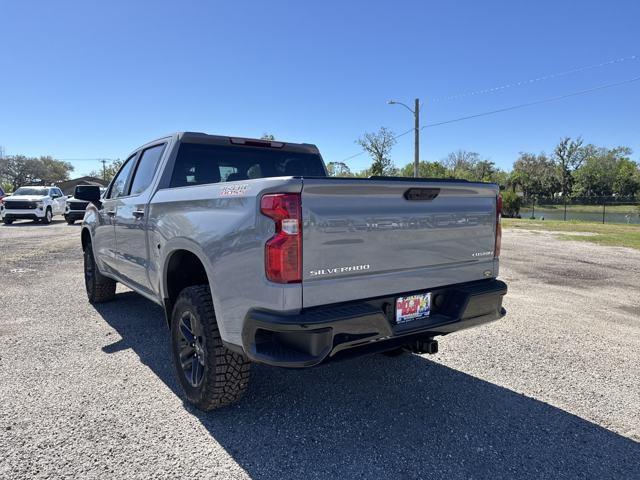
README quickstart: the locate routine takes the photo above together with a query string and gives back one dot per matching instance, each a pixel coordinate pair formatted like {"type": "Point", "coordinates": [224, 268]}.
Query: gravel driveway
{"type": "Point", "coordinates": [551, 391]}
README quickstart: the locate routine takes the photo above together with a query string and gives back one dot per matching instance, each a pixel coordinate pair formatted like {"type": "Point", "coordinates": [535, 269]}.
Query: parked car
{"type": "Point", "coordinates": [230, 236]}
{"type": "Point", "coordinates": [34, 203]}
{"type": "Point", "coordinates": [75, 208]}
{"type": "Point", "coordinates": [2, 195]}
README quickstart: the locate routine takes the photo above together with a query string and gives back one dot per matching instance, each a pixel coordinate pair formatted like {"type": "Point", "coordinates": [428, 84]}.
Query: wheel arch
{"type": "Point", "coordinates": [85, 238]}
{"type": "Point", "coordinates": [183, 267]}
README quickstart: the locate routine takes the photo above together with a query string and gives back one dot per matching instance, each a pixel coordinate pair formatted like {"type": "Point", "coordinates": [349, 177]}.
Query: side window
{"type": "Point", "coordinates": [146, 169]}
{"type": "Point", "coordinates": [59, 192]}
{"type": "Point", "coordinates": [120, 181]}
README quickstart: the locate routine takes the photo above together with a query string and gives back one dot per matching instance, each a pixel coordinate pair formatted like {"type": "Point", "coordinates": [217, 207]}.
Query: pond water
{"type": "Point", "coordinates": [631, 215]}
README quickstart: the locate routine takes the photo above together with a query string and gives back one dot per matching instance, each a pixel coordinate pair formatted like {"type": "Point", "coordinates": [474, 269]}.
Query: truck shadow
{"type": "Point", "coordinates": [379, 417]}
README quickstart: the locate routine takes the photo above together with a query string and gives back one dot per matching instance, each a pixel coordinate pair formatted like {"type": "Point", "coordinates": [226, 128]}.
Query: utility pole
{"type": "Point", "coordinates": [104, 170]}
{"type": "Point", "coordinates": [416, 119]}
{"type": "Point", "coordinates": [416, 153]}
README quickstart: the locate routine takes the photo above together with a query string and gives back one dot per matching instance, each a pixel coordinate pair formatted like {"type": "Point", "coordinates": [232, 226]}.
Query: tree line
{"type": "Point", "coordinates": [18, 170]}
{"type": "Point", "coordinates": [573, 169]}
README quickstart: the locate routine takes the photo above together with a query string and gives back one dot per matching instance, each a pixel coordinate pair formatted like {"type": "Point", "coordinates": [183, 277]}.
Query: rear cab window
{"type": "Point", "coordinates": [198, 164]}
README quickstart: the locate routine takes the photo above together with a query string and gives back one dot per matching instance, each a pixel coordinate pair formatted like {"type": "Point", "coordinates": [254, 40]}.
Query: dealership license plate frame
{"type": "Point", "coordinates": [404, 311]}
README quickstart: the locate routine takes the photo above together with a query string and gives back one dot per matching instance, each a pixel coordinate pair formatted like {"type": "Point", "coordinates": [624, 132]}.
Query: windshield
{"type": "Point", "coordinates": [197, 164]}
{"type": "Point", "coordinates": [32, 191]}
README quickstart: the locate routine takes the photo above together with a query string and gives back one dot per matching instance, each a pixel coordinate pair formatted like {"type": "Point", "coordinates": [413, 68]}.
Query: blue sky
{"type": "Point", "coordinates": [86, 80]}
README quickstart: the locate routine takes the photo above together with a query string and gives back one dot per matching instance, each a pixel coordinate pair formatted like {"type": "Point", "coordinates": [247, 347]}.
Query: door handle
{"type": "Point", "coordinates": [111, 213]}
{"type": "Point", "coordinates": [138, 213]}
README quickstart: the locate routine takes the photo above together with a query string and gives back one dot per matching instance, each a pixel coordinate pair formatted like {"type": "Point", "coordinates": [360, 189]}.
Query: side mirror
{"type": "Point", "coordinates": [90, 193]}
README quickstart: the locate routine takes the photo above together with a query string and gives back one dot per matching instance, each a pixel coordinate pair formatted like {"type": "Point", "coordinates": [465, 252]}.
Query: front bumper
{"type": "Point", "coordinates": [314, 335]}
{"type": "Point", "coordinates": [23, 214]}
{"type": "Point", "coordinates": [74, 215]}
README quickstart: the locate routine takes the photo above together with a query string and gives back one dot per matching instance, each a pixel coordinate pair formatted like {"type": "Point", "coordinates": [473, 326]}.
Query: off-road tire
{"type": "Point", "coordinates": [226, 373]}
{"type": "Point", "coordinates": [48, 216]}
{"type": "Point", "coordinates": [99, 288]}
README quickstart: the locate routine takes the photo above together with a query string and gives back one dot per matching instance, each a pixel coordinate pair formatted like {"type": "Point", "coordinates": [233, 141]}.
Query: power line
{"type": "Point", "coordinates": [86, 159]}
{"type": "Point", "coordinates": [536, 79]}
{"type": "Point", "coordinates": [537, 102]}
{"type": "Point", "coordinates": [513, 107]}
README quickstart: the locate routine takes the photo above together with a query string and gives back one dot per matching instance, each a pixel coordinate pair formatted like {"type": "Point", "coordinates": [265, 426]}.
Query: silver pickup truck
{"type": "Point", "coordinates": [257, 255]}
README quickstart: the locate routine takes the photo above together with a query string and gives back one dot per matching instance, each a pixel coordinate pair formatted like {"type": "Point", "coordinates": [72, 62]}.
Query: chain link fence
{"type": "Point", "coordinates": [588, 209]}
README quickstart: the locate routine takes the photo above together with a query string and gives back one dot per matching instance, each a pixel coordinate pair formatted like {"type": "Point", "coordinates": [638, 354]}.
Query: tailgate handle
{"type": "Point", "coordinates": [421, 194]}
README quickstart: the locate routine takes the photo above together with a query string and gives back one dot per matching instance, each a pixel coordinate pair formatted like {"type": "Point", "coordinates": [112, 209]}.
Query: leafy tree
{"type": "Point", "coordinates": [18, 170]}
{"type": "Point", "coordinates": [536, 175]}
{"type": "Point", "coordinates": [627, 180]}
{"type": "Point", "coordinates": [569, 155]}
{"type": "Point", "coordinates": [109, 171]}
{"type": "Point", "coordinates": [461, 164]}
{"type": "Point", "coordinates": [338, 169]}
{"type": "Point", "coordinates": [606, 172]}
{"type": "Point", "coordinates": [484, 171]}
{"type": "Point", "coordinates": [378, 145]}
{"type": "Point", "coordinates": [425, 170]}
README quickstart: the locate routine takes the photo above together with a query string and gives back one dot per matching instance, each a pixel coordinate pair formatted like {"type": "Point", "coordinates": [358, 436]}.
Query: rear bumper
{"type": "Point", "coordinates": [315, 335]}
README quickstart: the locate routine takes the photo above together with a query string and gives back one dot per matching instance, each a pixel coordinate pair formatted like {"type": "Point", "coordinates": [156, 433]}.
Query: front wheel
{"type": "Point", "coordinates": [7, 221]}
{"type": "Point", "coordinates": [48, 216]}
{"type": "Point", "coordinates": [70, 221]}
{"type": "Point", "coordinates": [99, 288]}
{"type": "Point", "coordinates": [211, 375]}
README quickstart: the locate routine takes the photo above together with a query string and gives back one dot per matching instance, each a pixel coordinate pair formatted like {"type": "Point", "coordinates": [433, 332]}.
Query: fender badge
{"type": "Point", "coordinates": [233, 190]}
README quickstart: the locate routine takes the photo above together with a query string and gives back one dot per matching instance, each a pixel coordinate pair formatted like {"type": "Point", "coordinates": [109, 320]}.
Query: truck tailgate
{"type": "Point", "coordinates": [367, 238]}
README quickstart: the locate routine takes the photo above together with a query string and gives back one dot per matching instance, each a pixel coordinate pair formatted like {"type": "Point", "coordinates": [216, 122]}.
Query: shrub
{"type": "Point", "coordinates": [511, 203]}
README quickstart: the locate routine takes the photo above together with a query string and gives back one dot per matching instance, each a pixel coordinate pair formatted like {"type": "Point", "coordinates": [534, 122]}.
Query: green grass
{"type": "Point", "coordinates": [613, 234]}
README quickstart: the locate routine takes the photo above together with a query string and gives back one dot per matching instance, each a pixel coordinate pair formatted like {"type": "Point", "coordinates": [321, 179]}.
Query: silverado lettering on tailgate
{"type": "Point", "coordinates": [334, 270]}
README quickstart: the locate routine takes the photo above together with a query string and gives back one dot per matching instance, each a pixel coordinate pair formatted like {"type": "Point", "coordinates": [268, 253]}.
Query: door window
{"type": "Point", "coordinates": [146, 169]}
{"type": "Point", "coordinates": [119, 184]}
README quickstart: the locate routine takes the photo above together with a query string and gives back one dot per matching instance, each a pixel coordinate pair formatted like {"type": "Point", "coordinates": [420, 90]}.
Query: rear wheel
{"type": "Point", "coordinates": [211, 375]}
{"type": "Point", "coordinates": [99, 288]}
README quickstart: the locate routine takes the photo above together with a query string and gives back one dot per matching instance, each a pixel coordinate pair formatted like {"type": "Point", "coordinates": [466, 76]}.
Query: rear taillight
{"type": "Point", "coordinates": [496, 250]}
{"type": "Point", "coordinates": [283, 251]}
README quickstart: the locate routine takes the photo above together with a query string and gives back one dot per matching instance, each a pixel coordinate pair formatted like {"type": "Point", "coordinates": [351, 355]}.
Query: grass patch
{"type": "Point", "coordinates": [613, 234]}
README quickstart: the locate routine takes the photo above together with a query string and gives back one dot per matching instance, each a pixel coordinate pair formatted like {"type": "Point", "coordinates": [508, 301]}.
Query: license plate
{"type": "Point", "coordinates": [413, 307]}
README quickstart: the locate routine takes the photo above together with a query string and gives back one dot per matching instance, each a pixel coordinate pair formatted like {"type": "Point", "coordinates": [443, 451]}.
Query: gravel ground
{"type": "Point", "coordinates": [552, 391]}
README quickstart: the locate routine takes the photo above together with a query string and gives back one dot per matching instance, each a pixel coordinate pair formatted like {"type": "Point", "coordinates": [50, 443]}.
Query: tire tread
{"type": "Point", "coordinates": [230, 370]}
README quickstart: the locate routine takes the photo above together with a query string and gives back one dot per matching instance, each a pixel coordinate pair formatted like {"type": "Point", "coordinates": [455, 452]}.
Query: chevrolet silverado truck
{"type": "Point", "coordinates": [75, 208]}
{"type": "Point", "coordinates": [33, 203]}
{"type": "Point", "coordinates": [256, 255]}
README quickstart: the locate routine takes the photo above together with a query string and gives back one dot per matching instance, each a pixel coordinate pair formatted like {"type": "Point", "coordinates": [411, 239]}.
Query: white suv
{"type": "Point", "coordinates": [34, 203]}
